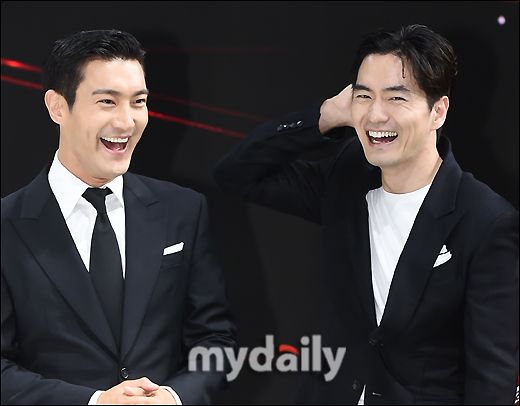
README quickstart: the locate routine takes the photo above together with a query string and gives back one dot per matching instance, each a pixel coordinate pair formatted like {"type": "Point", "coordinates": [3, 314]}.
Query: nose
{"type": "Point", "coordinates": [124, 119]}
{"type": "Point", "coordinates": [378, 112]}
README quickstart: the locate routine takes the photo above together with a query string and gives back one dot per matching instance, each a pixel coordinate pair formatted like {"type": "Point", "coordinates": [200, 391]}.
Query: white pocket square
{"type": "Point", "coordinates": [172, 249]}
{"type": "Point", "coordinates": [444, 256]}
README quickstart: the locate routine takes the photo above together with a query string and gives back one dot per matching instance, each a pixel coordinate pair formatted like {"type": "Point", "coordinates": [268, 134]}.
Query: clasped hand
{"type": "Point", "coordinates": [136, 392]}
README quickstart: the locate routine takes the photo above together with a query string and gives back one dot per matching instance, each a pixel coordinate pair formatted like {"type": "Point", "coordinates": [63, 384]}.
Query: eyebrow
{"type": "Point", "coordinates": [118, 93]}
{"type": "Point", "coordinates": [357, 86]}
{"type": "Point", "coordinates": [397, 88]}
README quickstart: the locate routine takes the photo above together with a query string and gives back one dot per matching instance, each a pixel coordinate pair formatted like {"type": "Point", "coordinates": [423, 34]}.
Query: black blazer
{"type": "Point", "coordinates": [449, 333]}
{"type": "Point", "coordinates": [57, 347]}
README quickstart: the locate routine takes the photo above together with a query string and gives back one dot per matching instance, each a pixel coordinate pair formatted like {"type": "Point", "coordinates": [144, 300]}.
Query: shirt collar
{"type": "Point", "coordinates": [68, 189]}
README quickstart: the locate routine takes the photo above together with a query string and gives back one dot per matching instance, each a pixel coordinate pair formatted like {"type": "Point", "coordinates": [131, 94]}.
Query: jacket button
{"type": "Point", "coordinates": [292, 125]}
{"type": "Point", "coordinates": [280, 127]}
{"type": "Point", "coordinates": [356, 386]}
{"type": "Point", "coordinates": [124, 373]}
{"type": "Point", "coordinates": [372, 341]}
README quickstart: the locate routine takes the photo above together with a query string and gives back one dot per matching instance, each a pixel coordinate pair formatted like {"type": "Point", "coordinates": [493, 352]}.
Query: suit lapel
{"type": "Point", "coordinates": [434, 222]}
{"type": "Point", "coordinates": [351, 220]}
{"type": "Point", "coordinates": [360, 254]}
{"type": "Point", "coordinates": [359, 251]}
{"type": "Point", "coordinates": [146, 222]}
{"type": "Point", "coordinates": [44, 230]}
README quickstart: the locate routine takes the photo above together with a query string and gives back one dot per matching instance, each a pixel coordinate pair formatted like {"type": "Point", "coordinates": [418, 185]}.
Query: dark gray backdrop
{"type": "Point", "coordinates": [263, 59]}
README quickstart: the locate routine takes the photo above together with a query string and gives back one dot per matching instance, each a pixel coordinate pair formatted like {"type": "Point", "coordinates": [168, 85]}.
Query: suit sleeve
{"type": "Point", "coordinates": [264, 169]}
{"type": "Point", "coordinates": [207, 320]}
{"type": "Point", "coordinates": [492, 315]}
{"type": "Point", "coordinates": [20, 386]}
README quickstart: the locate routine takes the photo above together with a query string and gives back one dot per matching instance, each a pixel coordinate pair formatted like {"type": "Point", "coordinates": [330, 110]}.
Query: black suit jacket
{"type": "Point", "coordinates": [449, 333]}
{"type": "Point", "coordinates": [57, 346]}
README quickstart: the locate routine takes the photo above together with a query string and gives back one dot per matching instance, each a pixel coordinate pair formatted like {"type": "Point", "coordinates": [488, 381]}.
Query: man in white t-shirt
{"type": "Point", "coordinates": [421, 259]}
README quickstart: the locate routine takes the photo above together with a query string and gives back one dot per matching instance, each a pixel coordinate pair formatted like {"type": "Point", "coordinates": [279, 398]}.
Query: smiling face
{"type": "Point", "coordinates": [396, 127]}
{"type": "Point", "coordinates": [99, 134]}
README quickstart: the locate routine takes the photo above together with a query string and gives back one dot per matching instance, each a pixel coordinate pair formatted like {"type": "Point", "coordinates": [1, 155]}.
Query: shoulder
{"type": "Point", "coordinates": [349, 165]}
{"type": "Point", "coordinates": [351, 152]}
{"type": "Point", "coordinates": [12, 203]}
{"type": "Point", "coordinates": [163, 190]}
{"type": "Point", "coordinates": [479, 202]}
{"type": "Point", "coordinates": [30, 199]}
{"type": "Point", "coordinates": [487, 215]}
{"type": "Point", "coordinates": [12, 199]}
{"type": "Point", "coordinates": [479, 198]}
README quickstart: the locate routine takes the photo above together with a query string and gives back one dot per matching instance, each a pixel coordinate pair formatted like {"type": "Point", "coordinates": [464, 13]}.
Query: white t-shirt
{"type": "Point", "coordinates": [390, 218]}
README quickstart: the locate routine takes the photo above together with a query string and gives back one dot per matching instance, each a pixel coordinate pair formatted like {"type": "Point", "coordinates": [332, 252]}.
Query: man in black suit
{"type": "Point", "coordinates": [109, 279]}
{"type": "Point", "coordinates": [421, 259]}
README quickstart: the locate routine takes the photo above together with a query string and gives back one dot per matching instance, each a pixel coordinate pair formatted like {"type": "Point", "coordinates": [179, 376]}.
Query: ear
{"type": "Point", "coordinates": [56, 105]}
{"type": "Point", "coordinates": [440, 111]}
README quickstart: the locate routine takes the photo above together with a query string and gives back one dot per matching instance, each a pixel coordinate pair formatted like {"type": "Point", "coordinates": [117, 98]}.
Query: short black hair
{"type": "Point", "coordinates": [63, 68]}
{"type": "Point", "coordinates": [432, 59]}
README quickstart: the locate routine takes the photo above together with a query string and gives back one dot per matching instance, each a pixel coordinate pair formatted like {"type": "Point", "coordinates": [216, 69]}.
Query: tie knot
{"type": "Point", "coordinates": [96, 197]}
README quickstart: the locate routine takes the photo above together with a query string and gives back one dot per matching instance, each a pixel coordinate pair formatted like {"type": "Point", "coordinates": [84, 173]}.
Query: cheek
{"type": "Point", "coordinates": [141, 120]}
{"type": "Point", "coordinates": [135, 141]}
{"type": "Point", "coordinates": [144, 121]}
{"type": "Point", "coordinates": [93, 127]}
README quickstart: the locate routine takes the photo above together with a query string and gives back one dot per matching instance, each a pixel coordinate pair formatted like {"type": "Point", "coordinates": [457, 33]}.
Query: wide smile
{"type": "Point", "coordinates": [116, 146]}
{"type": "Point", "coordinates": [381, 138]}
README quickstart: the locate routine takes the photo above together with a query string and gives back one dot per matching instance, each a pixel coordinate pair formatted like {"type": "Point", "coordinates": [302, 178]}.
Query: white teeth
{"type": "Point", "coordinates": [115, 139]}
{"type": "Point", "coordinates": [382, 134]}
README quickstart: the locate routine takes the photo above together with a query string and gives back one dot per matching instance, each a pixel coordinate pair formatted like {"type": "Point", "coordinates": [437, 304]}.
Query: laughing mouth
{"type": "Point", "coordinates": [115, 144]}
{"type": "Point", "coordinates": [381, 137]}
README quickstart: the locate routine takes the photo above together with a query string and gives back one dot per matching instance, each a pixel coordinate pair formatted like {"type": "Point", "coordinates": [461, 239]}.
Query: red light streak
{"type": "Point", "coordinates": [207, 107]}
{"type": "Point", "coordinates": [21, 82]}
{"type": "Point", "coordinates": [195, 124]}
{"type": "Point", "coordinates": [150, 113]}
{"type": "Point", "coordinates": [20, 65]}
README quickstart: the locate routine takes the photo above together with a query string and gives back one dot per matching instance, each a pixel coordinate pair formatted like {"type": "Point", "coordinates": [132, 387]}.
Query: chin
{"type": "Point", "coordinates": [379, 161]}
{"type": "Point", "coordinates": [119, 169]}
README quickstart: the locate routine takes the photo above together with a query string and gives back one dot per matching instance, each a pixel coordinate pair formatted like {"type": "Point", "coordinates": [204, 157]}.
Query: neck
{"type": "Point", "coordinates": [414, 177]}
{"type": "Point", "coordinates": [74, 167]}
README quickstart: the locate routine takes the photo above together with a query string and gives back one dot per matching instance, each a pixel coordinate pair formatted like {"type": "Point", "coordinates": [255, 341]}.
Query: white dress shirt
{"type": "Point", "coordinates": [80, 216]}
{"type": "Point", "coordinates": [390, 220]}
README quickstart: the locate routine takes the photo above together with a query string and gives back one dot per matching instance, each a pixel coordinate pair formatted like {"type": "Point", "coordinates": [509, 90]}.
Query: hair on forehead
{"type": "Point", "coordinates": [64, 67]}
{"type": "Point", "coordinates": [429, 57]}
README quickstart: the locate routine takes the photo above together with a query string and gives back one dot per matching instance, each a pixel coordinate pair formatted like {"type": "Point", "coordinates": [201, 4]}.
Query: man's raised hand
{"type": "Point", "coordinates": [335, 112]}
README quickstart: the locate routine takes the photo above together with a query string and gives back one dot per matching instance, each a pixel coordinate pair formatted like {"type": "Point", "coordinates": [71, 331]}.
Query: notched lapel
{"type": "Point", "coordinates": [413, 269]}
{"type": "Point", "coordinates": [351, 240]}
{"type": "Point", "coordinates": [42, 221]}
{"type": "Point", "coordinates": [146, 222]}
{"type": "Point", "coordinates": [434, 222]}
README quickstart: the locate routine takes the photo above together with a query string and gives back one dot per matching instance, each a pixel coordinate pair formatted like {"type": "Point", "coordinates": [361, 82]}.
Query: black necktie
{"type": "Point", "coordinates": [105, 268]}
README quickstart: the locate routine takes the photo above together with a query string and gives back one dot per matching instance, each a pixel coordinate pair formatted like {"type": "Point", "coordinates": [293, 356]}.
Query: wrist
{"type": "Point", "coordinates": [329, 117]}
{"type": "Point", "coordinates": [95, 397]}
{"type": "Point", "coordinates": [175, 397]}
